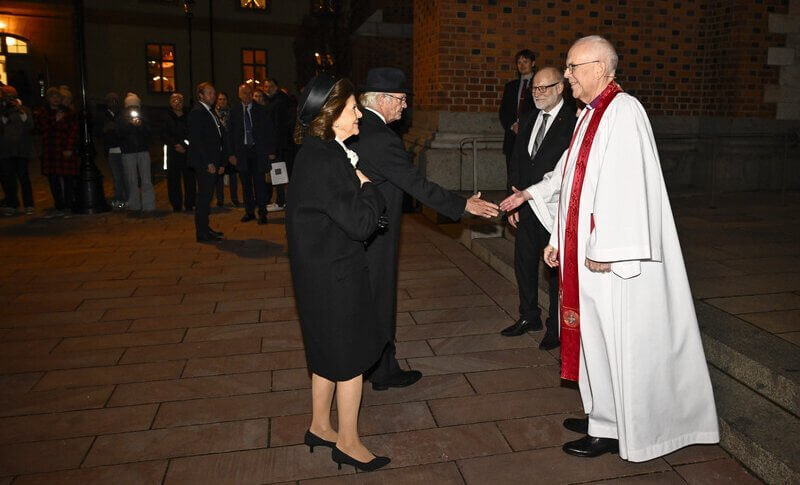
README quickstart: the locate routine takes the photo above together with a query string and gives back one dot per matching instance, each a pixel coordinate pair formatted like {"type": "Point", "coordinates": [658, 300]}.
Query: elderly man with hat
{"type": "Point", "coordinates": [384, 160]}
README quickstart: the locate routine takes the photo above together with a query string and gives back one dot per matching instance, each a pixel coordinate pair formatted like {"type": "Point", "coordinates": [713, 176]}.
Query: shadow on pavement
{"type": "Point", "coordinates": [251, 248]}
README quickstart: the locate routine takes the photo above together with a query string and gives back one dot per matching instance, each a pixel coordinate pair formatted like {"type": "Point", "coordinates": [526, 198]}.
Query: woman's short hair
{"type": "Point", "coordinates": [322, 125]}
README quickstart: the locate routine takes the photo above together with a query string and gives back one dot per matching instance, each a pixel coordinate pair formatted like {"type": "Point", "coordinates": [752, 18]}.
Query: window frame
{"type": "Point", "coordinates": [160, 61]}
{"type": "Point", "coordinates": [242, 64]}
{"type": "Point", "coordinates": [4, 45]}
{"type": "Point", "coordinates": [267, 8]}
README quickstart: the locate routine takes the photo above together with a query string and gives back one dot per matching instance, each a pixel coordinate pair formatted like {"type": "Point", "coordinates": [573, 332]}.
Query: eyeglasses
{"type": "Point", "coordinates": [543, 89]}
{"type": "Point", "coordinates": [402, 99]}
{"type": "Point", "coordinates": [571, 67]}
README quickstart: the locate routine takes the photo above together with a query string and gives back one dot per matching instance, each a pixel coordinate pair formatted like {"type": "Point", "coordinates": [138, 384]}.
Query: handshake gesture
{"type": "Point", "coordinates": [483, 208]}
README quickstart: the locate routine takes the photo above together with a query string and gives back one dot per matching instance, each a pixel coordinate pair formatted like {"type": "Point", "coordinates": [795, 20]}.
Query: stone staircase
{"type": "Point", "coordinates": [755, 375]}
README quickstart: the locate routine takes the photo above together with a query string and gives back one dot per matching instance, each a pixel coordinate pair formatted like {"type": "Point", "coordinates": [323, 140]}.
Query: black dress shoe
{"type": "Point", "coordinates": [520, 327]}
{"type": "Point", "coordinates": [262, 219]}
{"type": "Point", "coordinates": [215, 233]}
{"type": "Point", "coordinates": [340, 457]}
{"type": "Point", "coordinates": [204, 238]}
{"type": "Point", "coordinates": [549, 341]}
{"type": "Point", "coordinates": [590, 447]}
{"type": "Point", "coordinates": [577, 425]}
{"type": "Point", "coordinates": [248, 217]}
{"type": "Point", "coordinates": [402, 379]}
{"type": "Point", "coordinates": [311, 440]}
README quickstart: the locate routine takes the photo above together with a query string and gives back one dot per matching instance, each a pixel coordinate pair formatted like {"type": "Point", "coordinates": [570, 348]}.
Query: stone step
{"type": "Point", "coordinates": [751, 367]}
{"type": "Point", "coordinates": [758, 433]}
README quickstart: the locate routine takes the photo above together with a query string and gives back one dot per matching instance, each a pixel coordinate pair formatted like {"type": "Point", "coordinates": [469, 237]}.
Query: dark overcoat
{"type": "Point", "coordinates": [327, 218]}
{"type": "Point", "coordinates": [383, 158]}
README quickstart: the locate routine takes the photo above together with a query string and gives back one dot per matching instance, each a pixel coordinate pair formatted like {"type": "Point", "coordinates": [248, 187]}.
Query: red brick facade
{"type": "Point", "coordinates": [680, 58]}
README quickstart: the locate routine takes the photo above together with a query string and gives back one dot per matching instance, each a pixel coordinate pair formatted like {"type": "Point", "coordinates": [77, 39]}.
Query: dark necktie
{"type": "Point", "coordinates": [248, 127]}
{"type": "Point", "coordinates": [521, 97]}
{"type": "Point", "coordinates": [537, 142]}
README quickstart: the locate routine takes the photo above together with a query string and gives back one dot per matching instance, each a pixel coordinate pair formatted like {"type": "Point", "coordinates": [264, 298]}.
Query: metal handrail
{"type": "Point", "coordinates": [474, 140]}
{"type": "Point", "coordinates": [786, 138]}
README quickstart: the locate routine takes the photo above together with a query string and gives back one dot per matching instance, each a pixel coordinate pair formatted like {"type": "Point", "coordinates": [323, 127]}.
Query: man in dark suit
{"type": "Point", "coordinates": [544, 134]}
{"type": "Point", "coordinates": [205, 156]}
{"type": "Point", "coordinates": [279, 111]}
{"type": "Point", "coordinates": [384, 160]}
{"type": "Point", "coordinates": [251, 146]}
{"type": "Point", "coordinates": [516, 102]}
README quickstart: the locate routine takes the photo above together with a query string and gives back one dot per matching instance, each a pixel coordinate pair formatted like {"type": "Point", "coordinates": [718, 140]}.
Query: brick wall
{"type": "Point", "coordinates": [680, 58]}
{"type": "Point", "coordinates": [369, 52]}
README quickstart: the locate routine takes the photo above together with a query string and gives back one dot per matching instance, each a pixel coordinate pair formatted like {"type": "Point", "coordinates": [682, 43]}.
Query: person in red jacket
{"type": "Point", "coordinates": [58, 126]}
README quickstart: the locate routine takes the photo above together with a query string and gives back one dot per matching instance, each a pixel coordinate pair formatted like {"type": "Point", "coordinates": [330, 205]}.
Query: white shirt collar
{"type": "Point", "coordinates": [527, 76]}
{"type": "Point", "coordinates": [379, 115]}
{"type": "Point", "coordinates": [207, 107]}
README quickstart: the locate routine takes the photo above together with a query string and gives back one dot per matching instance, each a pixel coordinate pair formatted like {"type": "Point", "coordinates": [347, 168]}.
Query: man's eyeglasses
{"type": "Point", "coordinates": [543, 89]}
{"type": "Point", "coordinates": [402, 99]}
{"type": "Point", "coordinates": [571, 67]}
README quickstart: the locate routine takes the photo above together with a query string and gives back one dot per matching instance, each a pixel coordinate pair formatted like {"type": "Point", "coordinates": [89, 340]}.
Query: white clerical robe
{"type": "Point", "coordinates": [643, 375]}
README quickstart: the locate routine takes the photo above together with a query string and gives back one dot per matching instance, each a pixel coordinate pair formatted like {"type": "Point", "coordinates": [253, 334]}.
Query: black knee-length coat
{"type": "Point", "coordinates": [328, 215]}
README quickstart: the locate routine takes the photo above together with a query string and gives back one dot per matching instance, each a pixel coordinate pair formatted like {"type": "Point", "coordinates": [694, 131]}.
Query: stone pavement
{"type": "Point", "coordinates": [129, 354]}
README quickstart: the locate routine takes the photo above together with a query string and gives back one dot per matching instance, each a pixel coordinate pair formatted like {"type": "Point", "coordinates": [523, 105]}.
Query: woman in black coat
{"type": "Point", "coordinates": [332, 210]}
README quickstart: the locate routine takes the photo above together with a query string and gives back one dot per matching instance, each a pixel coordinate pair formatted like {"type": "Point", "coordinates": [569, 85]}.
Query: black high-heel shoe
{"type": "Point", "coordinates": [312, 440]}
{"type": "Point", "coordinates": [340, 457]}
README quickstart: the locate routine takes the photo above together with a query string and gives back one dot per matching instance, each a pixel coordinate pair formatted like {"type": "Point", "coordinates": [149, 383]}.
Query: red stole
{"type": "Point", "coordinates": [569, 288]}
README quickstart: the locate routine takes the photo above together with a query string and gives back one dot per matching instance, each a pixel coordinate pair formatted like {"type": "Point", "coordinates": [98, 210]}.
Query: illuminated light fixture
{"type": "Point", "coordinates": [156, 78]}
{"type": "Point", "coordinates": [11, 41]}
{"type": "Point", "coordinates": [165, 157]}
{"type": "Point", "coordinates": [3, 25]}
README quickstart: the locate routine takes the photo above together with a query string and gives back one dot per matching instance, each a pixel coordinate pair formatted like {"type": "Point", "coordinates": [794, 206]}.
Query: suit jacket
{"type": "Point", "coordinates": [263, 136]}
{"type": "Point", "coordinates": [279, 112]}
{"type": "Point", "coordinates": [383, 158]}
{"type": "Point", "coordinates": [205, 141]}
{"type": "Point", "coordinates": [327, 218]}
{"type": "Point", "coordinates": [508, 111]}
{"type": "Point", "coordinates": [526, 172]}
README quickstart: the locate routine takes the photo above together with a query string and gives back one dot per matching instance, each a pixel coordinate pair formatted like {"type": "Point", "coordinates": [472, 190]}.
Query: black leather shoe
{"type": "Point", "coordinates": [311, 440]}
{"type": "Point", "coordinates": [577, 425]}
{"type": "Point", "coordinates": [262, 219]}
{"type": "Point", "coordinates": [520, 327]}
{"type": "Point", "coordinates": [549, 342]}
{"type": "Point", "coordinates": [401, 379]}
{"type": "Point", "coordinates": [590, 447]}
{"type": "Point", "coordinates": [215, 233]}
{"type": "Point", "coordinates": [248, 217]}
{"type": "Point", "coordinates": [203, 238]}
{"type": "Point", "coordinates": [340, 457]}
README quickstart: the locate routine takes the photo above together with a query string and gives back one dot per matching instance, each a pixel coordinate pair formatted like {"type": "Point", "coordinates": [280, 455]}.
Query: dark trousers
{"type": "Point", "coordinates": [181, 184]}
{"type": "Point", "coordinates": [531, 239]}
{"type": "Point", "coordinates": [206, 182]}
{"type": "Point", "coordinates": [62, 187]}
{"type": "Point", "coordinates": [254, 184]}
{"type": "Point", "coordinates": [13, 170]}
{"type": "Point", "coordinates": [387, 366]}
{"type": "Point", "coordinates": [233, 186]}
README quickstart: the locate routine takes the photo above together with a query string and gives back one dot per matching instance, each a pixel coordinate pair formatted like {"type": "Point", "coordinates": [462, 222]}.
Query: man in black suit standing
{"type": "Point", "coordinates": [544, 134]}
{"type": "Point", "coordinates": [251, 146]}
{"type": "Point", "coordinates": [205, 156]}
{"type": "Point", "coordinates": [384, 160]}
{"type": "Point", "coordinates": [279, 111]}
{"type": "Point", "coordinates": [516, 102]}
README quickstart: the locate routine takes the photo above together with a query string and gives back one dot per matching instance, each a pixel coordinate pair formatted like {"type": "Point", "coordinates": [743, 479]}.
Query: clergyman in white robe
{"type": "Point", "coordinates": [643, 376]}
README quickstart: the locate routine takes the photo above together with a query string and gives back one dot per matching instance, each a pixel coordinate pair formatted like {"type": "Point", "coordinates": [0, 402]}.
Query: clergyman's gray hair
{"type": "Point", "coordinates": [606, 51]}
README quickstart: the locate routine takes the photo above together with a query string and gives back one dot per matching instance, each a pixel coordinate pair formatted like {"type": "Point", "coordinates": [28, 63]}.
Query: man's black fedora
{"type": "Point", "coordinates": [385, 80]}
{"type": "Point", "coordinates": [313, 98]}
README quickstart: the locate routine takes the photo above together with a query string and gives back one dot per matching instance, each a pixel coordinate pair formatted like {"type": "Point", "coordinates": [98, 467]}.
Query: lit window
{"type": "Point", "coordinates": [160, 68]}
{"type": "Point", "coordinates": [254, 66]}
{"type": "Point", "coordinates": [253, 4]}
{"type": "Point", "coordinates": [13, 45]}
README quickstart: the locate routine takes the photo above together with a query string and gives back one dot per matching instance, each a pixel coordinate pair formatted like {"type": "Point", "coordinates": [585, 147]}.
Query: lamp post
{"type": "Point", "coordinates": [89, 196]}
{"type": "Point", "coordinates": [188, 5]}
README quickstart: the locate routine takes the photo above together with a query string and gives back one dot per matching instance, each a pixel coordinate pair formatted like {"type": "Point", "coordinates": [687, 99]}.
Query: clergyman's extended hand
{"type": "Point", "coordinates": [482, 208]}
{"type": "Point", "coordinates": [514, 200]}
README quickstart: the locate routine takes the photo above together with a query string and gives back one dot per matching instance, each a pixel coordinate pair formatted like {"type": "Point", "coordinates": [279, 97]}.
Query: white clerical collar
{"type": "Point", "coordinates": [379, 115]}
{"type": "Point", "coordinates": [554, 112]}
